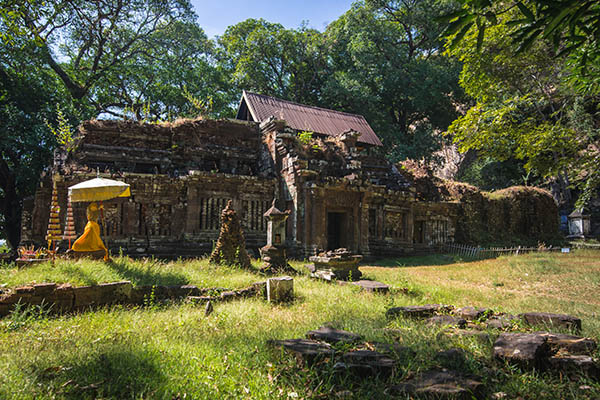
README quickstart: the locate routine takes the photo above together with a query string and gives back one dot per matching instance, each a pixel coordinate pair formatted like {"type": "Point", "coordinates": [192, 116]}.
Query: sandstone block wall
{"type": "Point", "coordinates": [62, 298]}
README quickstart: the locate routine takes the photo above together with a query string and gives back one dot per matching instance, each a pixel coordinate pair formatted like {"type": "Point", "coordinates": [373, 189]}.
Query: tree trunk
{"type": "Point", "coordinates": [11, 206]}
{"type": "Point", "coordinates": [12, 219]}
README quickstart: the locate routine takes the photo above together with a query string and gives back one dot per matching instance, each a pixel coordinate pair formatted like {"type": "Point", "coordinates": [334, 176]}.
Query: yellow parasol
{"type": "Point", "coordinates": [98, 189]}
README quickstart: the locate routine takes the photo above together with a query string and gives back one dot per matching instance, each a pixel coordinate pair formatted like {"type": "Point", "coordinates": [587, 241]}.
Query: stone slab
{"type": "Point", "coordinates": [524, 349]}
{"type": "Point", "coordinates": [442, 384]}
{"type": "Point", "coordinates": [307, 351]}
{"type": "Point", "coordinates": [560, 320]}
{"type": "Point", "coordinates": [42, 289]}
{"type": "Point", "coordinates": [369, 286]}
{"type": "Point", "coordinates": [280, 289]}
{"type": "Point", "coordinates": [331, 335]}
{"type": "Point", "coordinates": [574, 345]}
{"type": "Point", "coordinates": [364, 363]}
{"type": "Point", "coordinates": [575, 365]}
{"type": "Point", "coordinates": [446, 320]}
{"type": "Point", "coordinates": [424, 311]}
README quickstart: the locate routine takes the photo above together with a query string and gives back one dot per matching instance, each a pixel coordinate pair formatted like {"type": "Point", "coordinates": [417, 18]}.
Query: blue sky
{"type": "Point", "coordinates": [215, 16]}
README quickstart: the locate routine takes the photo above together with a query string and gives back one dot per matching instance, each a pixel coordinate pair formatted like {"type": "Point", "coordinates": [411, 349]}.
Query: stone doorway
{"type": "Point", "coordinates": [419, 232]}
{"type": "Point", "coordinates": [337, 230]}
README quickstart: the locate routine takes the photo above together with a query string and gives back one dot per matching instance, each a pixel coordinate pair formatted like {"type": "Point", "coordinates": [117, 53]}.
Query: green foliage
{"type": "Point", "coordinates": [570, 27]}
{"type": "Point", "coordinates": [305, 137]}
{"type": "Point", "coordinates": [489, 174]}
{"type": "Point", "coordinates": [203, 107]}
{"type": "Point", "coordinates": [63, 131]}
{"type": "Point", "coordinates": [526, 109]}
{"type": "Point", "coordinates": [387, 65]}
{"type": "Point", "coordinates": [267, 58]}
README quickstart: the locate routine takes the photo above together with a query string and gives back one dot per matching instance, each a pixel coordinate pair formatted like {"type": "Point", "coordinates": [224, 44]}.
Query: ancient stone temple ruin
{"type": "Point", "coordinates": [323, 167]}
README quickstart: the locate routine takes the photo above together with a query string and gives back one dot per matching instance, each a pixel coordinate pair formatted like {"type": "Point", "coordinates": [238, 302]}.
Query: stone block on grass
{"type": "Point", "coordinates": [417, 312]}
{"type": "Point", "coordinates": [559, 320]}
{"type": "Point", "coordinates": [528, 350]}
{"type": "Point", "coordinates": [332, 335]}
{"type": "Point", "coordinates": [280, 289]}
{"type": "Point", "coordinates": [439, 385]}
{"type": "Point", "coordinates": [306, 351]}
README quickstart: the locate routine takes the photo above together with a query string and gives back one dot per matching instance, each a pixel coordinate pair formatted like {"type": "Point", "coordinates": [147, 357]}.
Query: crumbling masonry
{"type": "Point", "coordinates": [339, 191]}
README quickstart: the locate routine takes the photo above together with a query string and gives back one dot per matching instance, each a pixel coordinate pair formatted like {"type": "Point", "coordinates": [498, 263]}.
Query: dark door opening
{"type": "Point", "coordinates": [336, 230]}
{"type": "Point", "coordinates": [419, 234]}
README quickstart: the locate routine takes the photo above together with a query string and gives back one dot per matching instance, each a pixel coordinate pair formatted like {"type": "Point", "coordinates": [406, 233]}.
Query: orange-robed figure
{"type": "Point", "coordinates": [90, 240]}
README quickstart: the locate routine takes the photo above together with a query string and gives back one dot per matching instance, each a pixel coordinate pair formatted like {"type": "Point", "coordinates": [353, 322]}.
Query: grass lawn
{"type": "Point", "coordinates": [172, 351]}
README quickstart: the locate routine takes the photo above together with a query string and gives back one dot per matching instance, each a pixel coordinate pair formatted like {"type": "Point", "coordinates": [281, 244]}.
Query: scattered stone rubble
{"type": "Point", "coordinates": [349, 354]}
{"type": "Point", "coordinates": [361, 361]}
{"type": "Point", "coordinates": [539, 350]}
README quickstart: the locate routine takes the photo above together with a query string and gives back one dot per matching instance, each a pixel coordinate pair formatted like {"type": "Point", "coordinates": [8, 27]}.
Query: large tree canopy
{"type": "Point", "coordinates": [28, 99]}
{"type": "Point", "coordinates": [572, 28]}
{"type": "Point", "coordinates": [267, 58]}
{"type": "Point", "coordinates": [138, 58]}
{"type": "Point", "coordinates": [387, 64]}
{"type": "Point", "coordinates": [527, 109]}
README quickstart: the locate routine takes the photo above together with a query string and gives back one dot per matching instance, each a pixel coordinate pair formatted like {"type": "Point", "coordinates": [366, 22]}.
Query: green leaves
{"type": "Point", "coordinates": [568, 25]}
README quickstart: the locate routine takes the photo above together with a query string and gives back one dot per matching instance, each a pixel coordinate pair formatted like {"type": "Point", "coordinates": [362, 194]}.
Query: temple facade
{"type": "Point", "coordinates": [323, 166]}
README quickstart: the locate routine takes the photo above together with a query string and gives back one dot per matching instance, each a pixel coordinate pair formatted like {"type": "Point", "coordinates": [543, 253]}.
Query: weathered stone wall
{"type": "Point", "coordinates": [63, 298]}
{"type": "Point", "coordinates": [516, 215]}
{"type": "Point", "coordinates": [175, 149]}
{"type": "Point", "coordinates": [165, 216]}
{"type": "Point", "coordinates": [373, 202]}
{"type": "Point", "coordinates": [181, 175]}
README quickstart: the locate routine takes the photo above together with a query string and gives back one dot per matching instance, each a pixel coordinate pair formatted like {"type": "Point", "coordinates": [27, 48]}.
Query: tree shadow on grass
{"type": "Point", "coordinates": [420, 261]}
{"type": "Point", "coordinates": [107, 372]}
{"type": "Point", "coordinates": [151, 275]}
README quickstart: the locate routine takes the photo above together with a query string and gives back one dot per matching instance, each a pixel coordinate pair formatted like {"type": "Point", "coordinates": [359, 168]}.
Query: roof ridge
{"type": "Point", "coordinates": [306, 105]}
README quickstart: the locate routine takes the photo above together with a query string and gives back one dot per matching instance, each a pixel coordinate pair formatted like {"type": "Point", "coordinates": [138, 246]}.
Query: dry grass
{"type": "Point", "coordinates": [169, 351]}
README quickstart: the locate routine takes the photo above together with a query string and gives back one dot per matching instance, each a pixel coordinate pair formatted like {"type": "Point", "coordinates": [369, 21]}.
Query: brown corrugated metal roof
{"type": "Point", "coordinates": [309, 118]}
